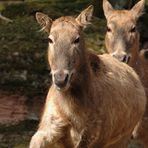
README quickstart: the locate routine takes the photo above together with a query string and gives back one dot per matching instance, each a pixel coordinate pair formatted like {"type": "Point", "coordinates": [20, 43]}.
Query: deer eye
{"type": "Point", "coordinates": [108, 29]}
{"type": "Point", "coordinates": [133, 30]}
{"type": "Point", "coordinates": [50, 40]}
{"type": "Point", "coordinates": [76, 41]}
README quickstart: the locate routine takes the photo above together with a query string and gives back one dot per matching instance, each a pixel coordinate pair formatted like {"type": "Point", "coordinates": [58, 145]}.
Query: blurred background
{"type": "Point", "coordinates": [24, 72]}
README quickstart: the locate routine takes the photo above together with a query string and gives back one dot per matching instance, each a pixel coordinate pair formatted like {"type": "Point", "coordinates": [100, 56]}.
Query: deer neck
{"type": "Point", "coordinates": [80, 86]}
{"type": "Point", "coordinates": [135, 55]}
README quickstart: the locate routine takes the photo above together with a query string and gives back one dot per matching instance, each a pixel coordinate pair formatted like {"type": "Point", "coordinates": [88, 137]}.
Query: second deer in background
{"type": "Point", "coordinates": [122, 42]}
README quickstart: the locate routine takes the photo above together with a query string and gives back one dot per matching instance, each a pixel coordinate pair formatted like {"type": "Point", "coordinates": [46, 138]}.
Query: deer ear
{"type": "Point", "coordinates": [85, 16]}
{"type": "Point", "coordinates": [44, 21]}
{"type": "Point", "coordinates": [107, 7]}
{"type": "Point", "coordinates": [138, 8]}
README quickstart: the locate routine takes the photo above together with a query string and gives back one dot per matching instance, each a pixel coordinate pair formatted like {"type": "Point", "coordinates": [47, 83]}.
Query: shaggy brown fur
{"type": "Point", "coordinates": [99, 102]}
{"type": "Point", "coordinates": [122, 42]}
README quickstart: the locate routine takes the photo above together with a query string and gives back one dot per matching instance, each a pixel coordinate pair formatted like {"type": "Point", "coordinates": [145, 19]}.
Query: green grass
{"type": "Point", "coordinates": [17, 136]}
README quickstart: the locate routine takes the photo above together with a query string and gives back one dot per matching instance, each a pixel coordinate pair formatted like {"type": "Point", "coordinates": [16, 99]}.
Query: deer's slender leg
{"type": "Point", "coordinates": [51, 129]}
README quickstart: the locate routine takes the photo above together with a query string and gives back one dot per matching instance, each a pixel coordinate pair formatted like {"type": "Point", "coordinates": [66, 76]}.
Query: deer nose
{"type": "Point", "coordinates": [126, 58]}
{"type": "Point", "coordinates": [61, 79]}
{"type": "Point", "coordinates": [122, 57]}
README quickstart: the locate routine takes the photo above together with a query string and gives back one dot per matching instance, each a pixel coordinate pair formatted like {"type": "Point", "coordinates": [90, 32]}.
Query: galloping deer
{"type": "Point", "coordinates": [122, 42]}
{"type": "Point", "coordinates": [94, 101]}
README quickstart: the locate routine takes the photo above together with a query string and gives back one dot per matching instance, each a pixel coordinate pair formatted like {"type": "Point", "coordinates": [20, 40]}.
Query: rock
{"type": "Point", "coordinates": [13, 108]}
{"type": "Point", "coordinates": [35, 108]}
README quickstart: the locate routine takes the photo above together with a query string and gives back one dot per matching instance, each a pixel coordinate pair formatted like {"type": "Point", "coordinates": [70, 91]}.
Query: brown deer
{"type": "Point", "coordinates": [122, 42]}
{"type": "Point", "coordinates": [94, 101]}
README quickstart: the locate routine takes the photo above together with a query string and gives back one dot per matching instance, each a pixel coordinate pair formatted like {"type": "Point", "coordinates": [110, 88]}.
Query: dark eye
{"type": "Point", "coordinates": [108, 29]}
{"type": "Point", "coordinates": [50, 40]}
{"type": "Point", "coordinates": [76, 41]}
{"type": "Point", "coordinates": [133, 30]}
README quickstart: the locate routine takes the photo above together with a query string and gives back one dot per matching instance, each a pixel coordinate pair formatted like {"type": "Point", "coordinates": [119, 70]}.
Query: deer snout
{"type": "Point", "coordinates": [126, 58]}
{"type": "Point", "coordinates": [60, 79]}
{"type": "Point", "coordinates": [122, 57]}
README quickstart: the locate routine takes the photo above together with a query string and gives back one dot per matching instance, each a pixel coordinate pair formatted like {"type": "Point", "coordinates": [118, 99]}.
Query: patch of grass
{"type": "Point", "coordinates": [27, 125]}
{"type": "Point", "coordinates": [17, 136]}
{"type": "Point", "coordinates": [22, 145]}
{"type": "Point", "coordinates": [23, 55]}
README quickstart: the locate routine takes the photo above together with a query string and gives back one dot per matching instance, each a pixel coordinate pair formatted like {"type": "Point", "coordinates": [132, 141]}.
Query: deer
{"type": "Point", "coordinates": [94, 101]}
{"type": "Point", "coordinates": [122, 42]}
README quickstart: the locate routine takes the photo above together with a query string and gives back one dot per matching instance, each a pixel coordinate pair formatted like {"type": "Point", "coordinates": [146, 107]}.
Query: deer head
{"type": "Point", "coordinates": [66, 52]}
{"type": "Point", "coordinates": [122, 36]}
